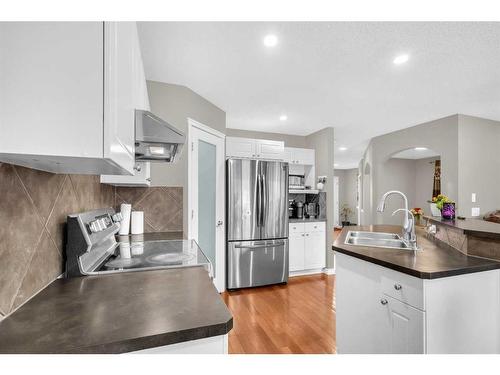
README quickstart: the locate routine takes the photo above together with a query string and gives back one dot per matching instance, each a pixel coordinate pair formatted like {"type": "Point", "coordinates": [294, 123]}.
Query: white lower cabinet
{"type": "Point", "coordinates": [209, 345]}
{"type": "Point", "coordinates": [307, 244]}
{"type": "Point", "coordinates": [379, 310]}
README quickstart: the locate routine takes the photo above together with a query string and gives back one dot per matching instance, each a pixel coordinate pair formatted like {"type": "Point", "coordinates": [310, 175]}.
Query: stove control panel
{"type": "Point", "coordinates": [100, 223]}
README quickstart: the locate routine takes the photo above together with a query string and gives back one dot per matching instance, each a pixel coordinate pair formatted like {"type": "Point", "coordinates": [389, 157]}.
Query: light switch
{"type": "Point", "coordinates": [473, 198]}
{"type": "Point", "coordinates": [475, 211]}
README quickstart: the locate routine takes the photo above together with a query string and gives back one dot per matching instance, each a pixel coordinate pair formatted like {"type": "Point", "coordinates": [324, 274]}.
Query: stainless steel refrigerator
{"type": "Point", "coordinates": [257, 223]}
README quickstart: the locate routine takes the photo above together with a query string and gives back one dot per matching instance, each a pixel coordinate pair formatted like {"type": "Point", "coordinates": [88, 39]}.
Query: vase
{"type": "Point", "coordinates": [448, 211]}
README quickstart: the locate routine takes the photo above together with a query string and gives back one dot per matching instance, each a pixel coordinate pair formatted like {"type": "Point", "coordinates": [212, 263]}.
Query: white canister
{"type": "Point", "coordinates": [137, 222]}
{"type": "Point", "coordinates": [125, 210]}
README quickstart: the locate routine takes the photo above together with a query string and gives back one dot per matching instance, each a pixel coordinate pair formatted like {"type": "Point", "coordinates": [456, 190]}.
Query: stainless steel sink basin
{"type": "Point", "coordinates": [376, 239]}
{"type": "Point", "coordinates": [374, 235]}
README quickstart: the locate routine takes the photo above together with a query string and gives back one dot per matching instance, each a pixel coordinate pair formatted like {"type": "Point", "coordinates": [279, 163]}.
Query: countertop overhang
{"type": "Point", "coordinates": [476, 227]}
{"type": "Point", "coordinates": [434, 260]}
{"type": "Point", "coordinates": [117, 313]}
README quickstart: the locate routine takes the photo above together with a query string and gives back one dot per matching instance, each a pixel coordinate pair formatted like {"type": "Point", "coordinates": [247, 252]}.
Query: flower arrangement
{"type": "Point", "coordinates": [417, 212]}
{"type": "Point", "coordinates": [440, 200]}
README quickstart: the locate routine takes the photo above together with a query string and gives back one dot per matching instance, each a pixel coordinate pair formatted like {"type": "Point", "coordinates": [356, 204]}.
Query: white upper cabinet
{"type": "Point", "coordinates": [254, 148]}
{"type": "Point", "coordinates": [68, 92]}
{"type": "Point", "coordinates": [128, 83]}
{"type": "Point", "coordinates": [302, 156]}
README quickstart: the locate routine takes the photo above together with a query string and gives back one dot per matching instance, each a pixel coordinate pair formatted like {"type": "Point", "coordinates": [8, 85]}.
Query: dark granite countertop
{"type": "Point", "coordinates": [306, 220]}
{"type": "Point", "coordinates": [435, 260]}
{"type": "Point", "coordinates": [470, 226]}
{"type": "Point", "coordinates": [117, 313]}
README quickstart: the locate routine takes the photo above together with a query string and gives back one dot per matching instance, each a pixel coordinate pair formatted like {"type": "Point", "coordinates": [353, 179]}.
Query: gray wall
{"type": "Point", "coordinates": [478, 164]}
{"type": "Point", "coordinates": [381, 173]}
{"type": "Point", "coordinates": [323, 143]}
{"type": "Point", "coordinates": [347, 190]}
{"type": "Point", "coordinates": [290, 140]}
{"type": "Point", "coordinates": [175, 104]}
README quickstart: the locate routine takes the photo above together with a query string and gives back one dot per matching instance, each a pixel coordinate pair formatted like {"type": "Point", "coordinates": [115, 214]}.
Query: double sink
{"type": "Point", "coordinates": [376, 239]}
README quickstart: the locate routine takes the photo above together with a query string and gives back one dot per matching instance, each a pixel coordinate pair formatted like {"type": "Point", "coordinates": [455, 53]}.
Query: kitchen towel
{"type": "Point", "coordinates": [137, 222]}
{"type": "Point", "coordinates": [125, 223]}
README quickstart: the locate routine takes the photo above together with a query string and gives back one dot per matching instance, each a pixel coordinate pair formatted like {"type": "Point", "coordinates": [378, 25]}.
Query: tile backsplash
{"type": "Point", "coordinates": [33, 210]}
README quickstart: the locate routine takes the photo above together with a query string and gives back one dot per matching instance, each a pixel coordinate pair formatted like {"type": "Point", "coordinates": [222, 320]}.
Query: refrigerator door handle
{"type": "Point", "coordinates": [263, 199]}
{"type": "Point", "coordinates": [259, 246]}
{"type": "Point", "coordinates": [258, 198]}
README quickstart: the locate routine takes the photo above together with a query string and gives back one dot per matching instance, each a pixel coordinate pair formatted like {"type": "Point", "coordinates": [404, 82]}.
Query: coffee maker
{"type": "Point", "coordinates": [311, 210]}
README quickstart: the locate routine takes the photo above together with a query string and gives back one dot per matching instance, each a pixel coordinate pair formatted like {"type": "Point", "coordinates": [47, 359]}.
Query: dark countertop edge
{"type": "Point", "coordinates": [474, 232]}
{"type": "Point", "coordinates": [148, 342]}
{"type": "Point", "coordinates": [306, 220]}
{"type": "Point", "coordinates": [418, 274]}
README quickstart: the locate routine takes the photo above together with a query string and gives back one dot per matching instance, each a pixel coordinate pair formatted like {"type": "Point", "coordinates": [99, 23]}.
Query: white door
{"type": "Point", "coordinates": [336, 202]}
{"type": "Point", "coordinates": [206, 196]}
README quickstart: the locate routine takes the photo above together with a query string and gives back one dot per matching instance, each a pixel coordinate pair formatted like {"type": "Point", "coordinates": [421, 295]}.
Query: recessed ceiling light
{"type": "Point", "coordinates": [401, 59]}
{"type": "Point", "coordinates": [270, 40]}
{"type": "Point", "coordinates": [342, 148]}
{"type": "Point", "coordinates": [283, 117]}
{"type": "Point", "coordinates": [420, 148]}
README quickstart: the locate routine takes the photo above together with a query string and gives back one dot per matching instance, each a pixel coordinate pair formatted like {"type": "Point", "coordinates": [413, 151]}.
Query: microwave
{"type": "Point", "coordinates": [296, 181]}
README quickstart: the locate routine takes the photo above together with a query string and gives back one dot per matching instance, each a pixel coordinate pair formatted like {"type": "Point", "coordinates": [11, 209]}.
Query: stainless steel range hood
{"type": "Point", "coordinates": [155, 139]}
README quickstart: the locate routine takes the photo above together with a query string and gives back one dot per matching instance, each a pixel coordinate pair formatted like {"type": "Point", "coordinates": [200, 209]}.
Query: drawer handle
{"type": "Point", "coordinates": [398, 286]}
{"type": "Point", "coordinates": [383, 301]}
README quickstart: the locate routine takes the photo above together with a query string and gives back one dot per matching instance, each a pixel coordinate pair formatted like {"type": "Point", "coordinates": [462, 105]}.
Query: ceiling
{"type": "Point", "coordinates": [415, 153]}
{"type": "Point", "coordinates": [331, 74]}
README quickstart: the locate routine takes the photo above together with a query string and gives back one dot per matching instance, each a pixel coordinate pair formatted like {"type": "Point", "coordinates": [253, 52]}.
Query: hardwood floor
{"type": "Point", "coordinates": [295, 318]}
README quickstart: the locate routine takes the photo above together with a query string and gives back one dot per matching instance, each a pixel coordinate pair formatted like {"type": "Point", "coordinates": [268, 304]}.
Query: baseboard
{"type": "Point", "coordinates": [327, 271]}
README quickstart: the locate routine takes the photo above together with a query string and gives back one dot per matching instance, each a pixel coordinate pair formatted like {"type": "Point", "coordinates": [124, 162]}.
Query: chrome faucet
{"type": "Point", "coordinates": [408, 233]}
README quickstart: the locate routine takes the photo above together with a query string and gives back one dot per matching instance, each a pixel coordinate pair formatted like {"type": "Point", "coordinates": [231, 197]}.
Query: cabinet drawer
{"type": "Point", "coordinates": [404, 288]}
{"type": "Point", "coordinates": [296, 227]}
{"type": "Point", "coordinates": [315, 227]}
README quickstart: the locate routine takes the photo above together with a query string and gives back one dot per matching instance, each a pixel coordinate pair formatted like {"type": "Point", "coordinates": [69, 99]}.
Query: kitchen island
{"type": "Point", "coordinates": [433, 300]}
{"type": "Point", "coordinates": [162, 311]}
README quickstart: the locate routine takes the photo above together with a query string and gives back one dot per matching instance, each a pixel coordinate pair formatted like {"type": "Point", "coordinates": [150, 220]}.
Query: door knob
{"type": "Point", "coordinates": [219, 223]}
{"type": "Point", "coordinates": [397, 286]}
{"type": "Point", "coordinates": [383, 301]}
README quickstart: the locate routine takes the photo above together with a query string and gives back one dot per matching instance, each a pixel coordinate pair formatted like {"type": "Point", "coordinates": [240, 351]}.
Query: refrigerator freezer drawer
{"type": "Point", "coordinates": [256, 263]}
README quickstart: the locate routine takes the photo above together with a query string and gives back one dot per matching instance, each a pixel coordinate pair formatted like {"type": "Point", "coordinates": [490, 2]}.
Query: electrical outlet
{"type": "Point", "coordinates": [475, 211]}
{"type": "Point", "coordinates": [473, 199]}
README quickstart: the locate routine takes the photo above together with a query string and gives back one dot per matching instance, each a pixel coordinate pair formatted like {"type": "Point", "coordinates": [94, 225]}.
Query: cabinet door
{"type": "Point", "coordinates": [404, 328]}
{"type": "Point", "coordinates": [296, 251]}
{"type": "Point", "coordinates": [360, 316]}
{"type": "Point", "coordinates": [273, 150]}
{"type": "Point", "coordinates": [51, 97]}
{"type": "Point", "coordinates": [304, 156]}
{"type": "Point", "coordinates": [314, 253]}
{"type": "Point", "coordinates": [141, 177]}
{"type": "Point", "coordinates": [240, 147]}
{"type": "Point", "coordinates": [120, 93]}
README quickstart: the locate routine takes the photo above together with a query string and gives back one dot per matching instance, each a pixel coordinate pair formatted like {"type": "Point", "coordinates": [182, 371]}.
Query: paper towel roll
{"type": "Point", "coordinates": [125, 223]}
{"type": "Point", "coordinates": [137, 222]}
